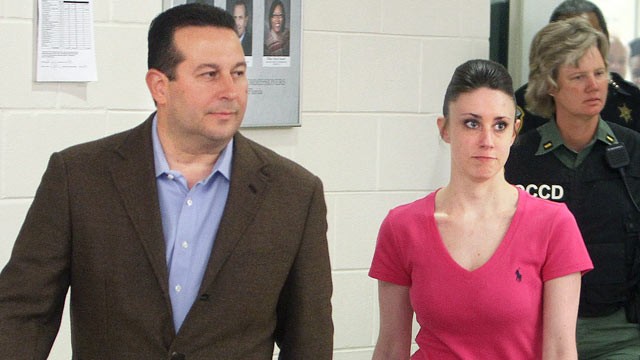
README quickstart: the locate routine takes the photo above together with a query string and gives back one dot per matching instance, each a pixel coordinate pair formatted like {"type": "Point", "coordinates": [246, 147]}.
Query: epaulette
{"type": "Point", "coordinates": [620, 85]}
{"type": "Point", "coordinates": [615, 86]}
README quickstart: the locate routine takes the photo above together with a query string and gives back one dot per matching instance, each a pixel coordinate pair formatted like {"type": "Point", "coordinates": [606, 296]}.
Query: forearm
{"type": "Point", "coordinates": [396, 314]}
{"type": "Point", "coordinates": [559, 354]}
{"type": "Point", "coordinates": [560, 312]}
{"type": "Point", "coordinates": [389, 351]}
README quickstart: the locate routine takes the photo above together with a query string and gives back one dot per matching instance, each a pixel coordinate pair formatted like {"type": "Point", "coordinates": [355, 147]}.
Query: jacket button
{"type": "Point", "coordinates": [204, 297]}
{"type": "Point", "coordinates": [178, 356]}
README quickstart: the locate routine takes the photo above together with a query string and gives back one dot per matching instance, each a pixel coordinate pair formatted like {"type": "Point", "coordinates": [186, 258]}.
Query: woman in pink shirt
{"type": "Point", "coordinates": [490, 271]}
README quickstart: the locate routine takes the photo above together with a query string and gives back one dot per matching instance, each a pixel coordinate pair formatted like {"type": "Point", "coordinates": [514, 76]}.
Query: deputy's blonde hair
{"type": "Point", "coordinates": [558, 43]}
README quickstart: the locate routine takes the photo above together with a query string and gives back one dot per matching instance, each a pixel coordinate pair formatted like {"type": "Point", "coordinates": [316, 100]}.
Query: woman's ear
{"type": "Point", "coordinates": [517, 125]}
{"type": "Point", "coordinates": [516, 129]}
{"type": "Point", "coordinates": [157, 83]}
{"type": "Point", "coordinates": [443, 128]}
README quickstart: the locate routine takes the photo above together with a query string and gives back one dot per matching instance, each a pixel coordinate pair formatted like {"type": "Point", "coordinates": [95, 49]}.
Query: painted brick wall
{"type": "Point", "coordinates": [374, 73]}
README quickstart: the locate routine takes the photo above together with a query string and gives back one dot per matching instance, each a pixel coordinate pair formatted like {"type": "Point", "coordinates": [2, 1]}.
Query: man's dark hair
{"type": "Point", "coordinates": [571, 8]}
{"type": "Point", "coordinates": [162, 53]}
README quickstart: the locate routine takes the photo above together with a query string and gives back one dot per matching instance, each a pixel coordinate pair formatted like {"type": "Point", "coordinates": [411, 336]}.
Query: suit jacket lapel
{"type": "Point", "coordinates": [249, 182]}
{"type": "Point", "coordinates": [133, 173]}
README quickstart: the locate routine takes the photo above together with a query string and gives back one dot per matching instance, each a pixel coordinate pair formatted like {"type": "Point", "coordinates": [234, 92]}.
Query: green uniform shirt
{"type": "Point", "coordinates": [551, 141]}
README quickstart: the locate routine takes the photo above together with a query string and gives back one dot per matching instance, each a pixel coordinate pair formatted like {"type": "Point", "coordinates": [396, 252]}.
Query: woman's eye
{"type": "Point", "coordinates": [500, 126]}
{"type": "Point", "coordinates": [471, 124]}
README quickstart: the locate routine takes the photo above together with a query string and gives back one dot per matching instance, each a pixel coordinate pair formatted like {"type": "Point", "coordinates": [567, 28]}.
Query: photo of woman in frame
{"type": "Point", "coordinates": [276, 39]}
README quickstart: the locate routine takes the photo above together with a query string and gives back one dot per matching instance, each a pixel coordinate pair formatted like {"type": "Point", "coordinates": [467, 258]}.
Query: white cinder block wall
{"type": "Point", "coordinates": [374, 74]}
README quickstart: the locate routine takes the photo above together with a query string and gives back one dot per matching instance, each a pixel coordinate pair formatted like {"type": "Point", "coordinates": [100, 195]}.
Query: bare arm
{"type": "Point", "coordinates": [396, 314]}
{"type": "Point", "coordinates": [560, 313]}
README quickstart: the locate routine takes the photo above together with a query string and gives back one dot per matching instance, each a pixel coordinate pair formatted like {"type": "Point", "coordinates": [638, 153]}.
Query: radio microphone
{"type": "Point", "coordinates": [617, 158]}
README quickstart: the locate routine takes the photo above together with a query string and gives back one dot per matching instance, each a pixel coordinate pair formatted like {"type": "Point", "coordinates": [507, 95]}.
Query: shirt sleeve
{"type": "Point", "coordinates": [566, 251]}
{"type": "Point", "coordinates": [389, 260]}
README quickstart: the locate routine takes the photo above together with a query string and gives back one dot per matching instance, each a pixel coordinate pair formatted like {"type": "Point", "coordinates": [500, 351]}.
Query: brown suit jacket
{"type": "Point", "coordinates": [95, 226]}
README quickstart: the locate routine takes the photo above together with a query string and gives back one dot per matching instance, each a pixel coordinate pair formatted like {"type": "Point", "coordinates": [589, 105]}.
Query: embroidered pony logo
{"type": "Point", "coordinates": [518, 275]}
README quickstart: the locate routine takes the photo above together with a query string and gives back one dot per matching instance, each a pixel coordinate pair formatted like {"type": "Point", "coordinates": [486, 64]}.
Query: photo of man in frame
{"type": "Point", "coordinates": [242, 13]}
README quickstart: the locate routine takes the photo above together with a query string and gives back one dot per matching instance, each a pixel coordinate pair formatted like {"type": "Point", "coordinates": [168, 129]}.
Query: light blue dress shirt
{"type": "Point", "coordinates": [190, 221]}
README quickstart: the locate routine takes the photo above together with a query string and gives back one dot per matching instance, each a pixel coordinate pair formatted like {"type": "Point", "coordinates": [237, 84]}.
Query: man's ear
{"type": "Point", "coordinates": [157, 82]}
{"type": "Point", "coordinates": [442, 127]}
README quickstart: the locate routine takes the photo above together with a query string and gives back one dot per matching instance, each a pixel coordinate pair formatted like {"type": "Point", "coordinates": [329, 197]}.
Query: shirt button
{"type": "Point", "coordinates": [170, 176]}
{"type": "Point", "coordinates": [178, 288]}
{"type": "Point", "coordinates": [185, 244]}
{"type": "Point", "coordinates": [189, 202]}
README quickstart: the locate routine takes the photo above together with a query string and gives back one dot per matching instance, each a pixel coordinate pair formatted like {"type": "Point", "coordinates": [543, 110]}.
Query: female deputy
{"type": "Point", "coordinates": [623, 99]}
{"type": "Point", "coordinates": [595, 168]}
{"type": "Point", "coordinates": [490, 271]}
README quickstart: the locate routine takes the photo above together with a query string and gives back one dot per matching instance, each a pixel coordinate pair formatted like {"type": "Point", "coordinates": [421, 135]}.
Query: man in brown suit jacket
{"type": "Point", "coordinates": [99, 226]}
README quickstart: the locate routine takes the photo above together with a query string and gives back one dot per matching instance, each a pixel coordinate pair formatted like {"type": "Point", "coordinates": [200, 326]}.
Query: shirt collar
{"type": "Point", "coordinates": [222, 165]}
{"type": "Point", "coordinates": [550, 138]}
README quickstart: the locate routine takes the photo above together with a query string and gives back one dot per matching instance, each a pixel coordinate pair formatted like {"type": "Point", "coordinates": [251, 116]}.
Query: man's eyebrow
{"type": "Point", "coordinates": [216, 66]}
{"type": "Point", "coordinates": [207, 66]}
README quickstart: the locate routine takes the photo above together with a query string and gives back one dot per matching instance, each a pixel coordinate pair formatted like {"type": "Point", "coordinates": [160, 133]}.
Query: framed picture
{"type": "Point", "coordinates": [271, 36]}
